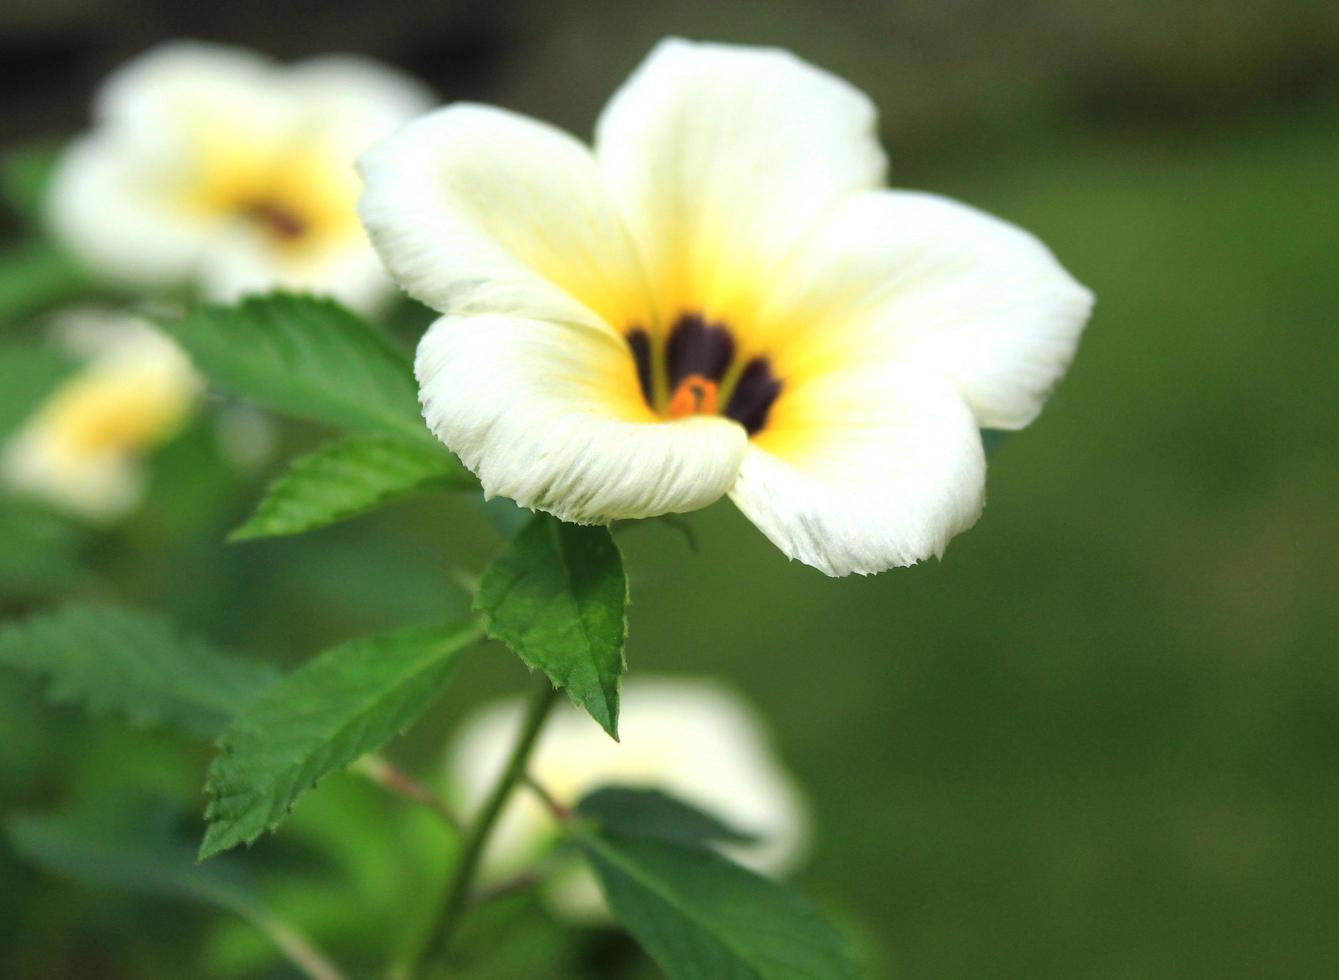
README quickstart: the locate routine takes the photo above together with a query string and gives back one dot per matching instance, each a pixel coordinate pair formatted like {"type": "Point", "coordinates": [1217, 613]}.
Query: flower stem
{"type": "Point", "coordinates": [471, 850]}
{"type": "Point", "coordinates": [384, 774]}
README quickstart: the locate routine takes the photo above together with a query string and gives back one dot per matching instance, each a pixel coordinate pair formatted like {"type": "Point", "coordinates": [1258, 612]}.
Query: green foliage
{"type": "Point", "coordinates": [24, 175]}
{"type": "Point", "coordinates": [650, 814]}
{"type": "Point", "coordinates": [28, 373]}
{"type": "Point", "coordinates": [138, 848]}
{"type": "Point", "coordinates": [338, 706]}
{"type": "Point", "coordinates": [348, 478]}
{"type": "Point", "coordinates": [35, 277]}
{"type": "Point", "coordinates": [307, 357]}
{"type": "Point", "coordinates": [131, 847]}
{"type": "Point", "coordinates": [558, 596]}
{"type": "Point", "coordinates": [135, 664]}
{"type": "Point", "coordinates": [39, 550]}
{"type": "Point", "coordinates": [699, 915]}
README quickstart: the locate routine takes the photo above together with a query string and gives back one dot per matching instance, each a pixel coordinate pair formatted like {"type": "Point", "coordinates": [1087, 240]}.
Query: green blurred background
{"type": "Point", "coordinates": [1098, 740]}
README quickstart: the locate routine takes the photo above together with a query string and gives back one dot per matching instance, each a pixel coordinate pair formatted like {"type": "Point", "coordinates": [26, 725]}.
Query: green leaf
{"type": "Point", "coordinates": [36, 277]}
{"type": "Point", "coordinates": [25, 173]}
{"type": "Point", "coordinates": [139, 848]}
{"type": "Point", "coordinates": [338, 706]}
{"type": "Point", "coordinates": [39, 550]}
{"type": "Point", "coordinates": [557, 595]}
{"type": "Point", "coordinates": [348, 478]}
{"type": "Point", "coordinates": [650, 814]}
{"type": "Point", "coordinates": [134, 848]}
{"type": "Point", "coordinates": [134, 664]}
{"type": "Point", "coordinates": [700, 915]}
{"type": "Point", "coordinates": [28, 373]}
{"type": "Point", "coordinates": [307, 357]}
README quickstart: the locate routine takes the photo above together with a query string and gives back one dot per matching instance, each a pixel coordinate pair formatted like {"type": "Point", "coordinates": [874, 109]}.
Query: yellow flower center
{"type": "Point", "coordinates": [299, 196]}
{"type": "Point", "coordinates": [106, 413]}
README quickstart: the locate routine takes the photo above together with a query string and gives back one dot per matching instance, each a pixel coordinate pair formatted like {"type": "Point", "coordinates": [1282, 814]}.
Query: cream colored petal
{"type": "Point", "coordinates": [130, 200]}
{"type": "Point", "coordinates": [722, 160]}
{"type": "Point", "coordinates": [552, 416]}
{"type": "Point", "coordinates": [350, 102]}
{"type": "Point", "coordinates": [82, 448]}
{"type": "Point", "coordinates": [864, 469]}
{"type": "Point", "coordinates": [108, 208]}
{"type": "Point", "coordinates": [245, 261]}
{"type": "Point", "coordinates": [480, 211]}
{"type": "Point", "coordinates": [97, 488]}
{"type": "Point", "coordinates": [163, 99]}
{"type": "Point", "coordinates": [926, 281]}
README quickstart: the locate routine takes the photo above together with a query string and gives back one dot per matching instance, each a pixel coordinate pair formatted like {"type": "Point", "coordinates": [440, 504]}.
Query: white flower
{"type": "Point", "coordinates": [82, 450]}
{"type": "Point", "coordinates": [694, 739]}
{"type": "Point", "coordinates": [215, 168]}
{"type": "Point", "coordinates": [721, 298]}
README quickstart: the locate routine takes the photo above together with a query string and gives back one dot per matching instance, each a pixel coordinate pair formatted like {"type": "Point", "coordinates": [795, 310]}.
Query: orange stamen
{"type": "Point", "coordinates": [695, 395]}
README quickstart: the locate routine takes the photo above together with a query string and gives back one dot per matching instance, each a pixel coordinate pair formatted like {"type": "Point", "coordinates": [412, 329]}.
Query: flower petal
{"type": "Point", "coordinates": [693, 738]}
{"type": "Point", "coordinates": [920, 279]}
{"type": "Point", "coordinates": [723, 158]}
{"type": "Point", "coordinates": [352, 102]}
{"type": "Point", "coordinates": [552, 416]}
{"type": "Point", "coordinates": [481, 211]}
{"type": "Point", "coordinates": [109, 209]}
{"type": "Point", "coordinates": [864, 469]}
{"type": "Point", "coordinates": [245, 262]}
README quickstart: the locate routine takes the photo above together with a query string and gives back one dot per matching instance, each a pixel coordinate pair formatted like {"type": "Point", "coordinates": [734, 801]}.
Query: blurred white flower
{"type": "Point", "coordinates": [215, 168]}
{"type": "Point", "coordinates": [723, 297]}
{"type": "Point", "coordinates": [694, 739]}
{"type": "Point", "coordinates": [82, 449]}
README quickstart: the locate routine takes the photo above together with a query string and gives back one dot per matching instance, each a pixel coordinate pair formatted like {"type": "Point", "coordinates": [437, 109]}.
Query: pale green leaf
{"type": "Point", "coordinates": [700, 915]}
{"type": "Point", "coordinates": [307, 357]}
{"type": "Point", "coordinates": [557, 595]}
{"type": "Point", "coordinates": [134, 664]}
{"type": "Point", "coordinates": [348, 478]}
{"type": "Point", "coordinates": [651, 814]}
{"type": "Point", "coordinates": [338, 706]}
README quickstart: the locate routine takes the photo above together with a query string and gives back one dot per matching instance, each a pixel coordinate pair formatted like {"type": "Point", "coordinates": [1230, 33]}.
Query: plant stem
{"type": "Point", "coordinates": [471, 850]}
{"type": "Point", "coordinates": [384, 774]}
{"type": "Point", "coordinates": [295, 946]}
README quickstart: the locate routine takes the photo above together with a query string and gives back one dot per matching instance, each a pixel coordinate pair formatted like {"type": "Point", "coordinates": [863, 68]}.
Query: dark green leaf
{"type": "Point", "coordinates": [139, 848]}
{"type": "Point", "coordinates": [25, 173]}
{"type": "Point", "coordinates": [348, 478]}
{"type": "Point", "coordinates": [651, 814]}
{"type": "Point", "coordinates": [134, 848]}
{"type": "Point", "coordinates": [134, 664]}
{"type": "Point", "coordinates": [338, 706]}
{"type": "Point", "coordinates": [557, 596]}
{"type": "Point", "coordinates": [36, 277]}
{"type": "Point", "coordinates": [699, 915]}
{"type": "Point", "coordinates": [307, 357]}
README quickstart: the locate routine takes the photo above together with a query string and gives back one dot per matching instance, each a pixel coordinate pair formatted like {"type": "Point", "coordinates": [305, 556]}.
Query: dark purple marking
{"type": "Point", "coordinates": [698, 347]}
{"type": "Point", "coordinates": [753, 396]}
{"type": "Point", "coordinates": [640, 343]}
